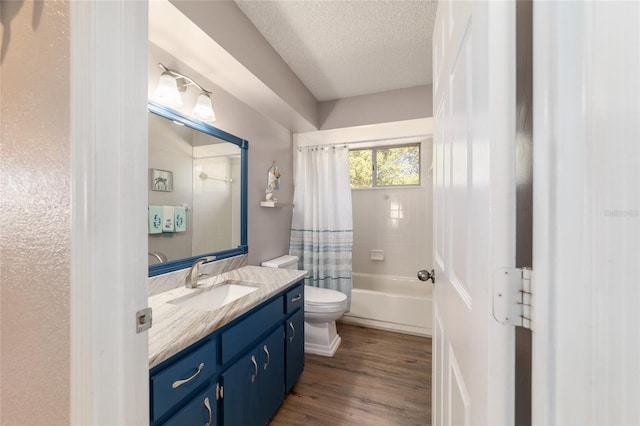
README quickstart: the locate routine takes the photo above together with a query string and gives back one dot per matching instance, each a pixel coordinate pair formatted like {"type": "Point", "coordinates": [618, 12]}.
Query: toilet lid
{"type": "Point", "coordinates": [313, 295]}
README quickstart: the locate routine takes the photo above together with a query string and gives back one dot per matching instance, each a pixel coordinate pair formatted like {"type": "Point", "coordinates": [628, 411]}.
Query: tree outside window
{"type": "Point", "coordinates": [385, 166]}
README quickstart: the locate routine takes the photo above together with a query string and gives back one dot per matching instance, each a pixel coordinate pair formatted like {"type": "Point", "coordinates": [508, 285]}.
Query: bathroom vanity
{"type": "Point", "coordinates": [226, 352]}
{"type": "Point", "coordinates": [233, 364]}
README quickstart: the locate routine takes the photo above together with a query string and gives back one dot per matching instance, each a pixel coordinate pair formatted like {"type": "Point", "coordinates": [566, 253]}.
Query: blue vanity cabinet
{"type": "Point", "coordinates": [272, 368]}
{"type": "Point", "coordinates": [294, 340]}
{"type": "Point", "coordinates": [294, 349]}
{"type": "Point", "coordinates": [238, 375]}
{"type": "Point", "coordinates": [254, 384]}
{"type": "Point", "coordinates": [241, 392]}
{"type": "Point", "coordinates": [294, 299]}
{"type": "Point", "coordinates": [188, 373]}
{"type": "Point", "coordinates": [200, 411]}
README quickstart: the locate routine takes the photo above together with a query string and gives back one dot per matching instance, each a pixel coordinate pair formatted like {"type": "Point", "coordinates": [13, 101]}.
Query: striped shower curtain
{"type": "Point", "coordinates": [322, 225]}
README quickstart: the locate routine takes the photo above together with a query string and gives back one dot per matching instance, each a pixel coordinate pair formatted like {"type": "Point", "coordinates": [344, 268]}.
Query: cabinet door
{"type": "Point", "coordinates": [271, 352]}
{"type": "Point", "coordinates": [200, 411]}
{"type": "Point", "coordinates": [240, 402]}
{"type": "Point", "coordinates": [295, 348]}
{"type": "Point", "coordinates": [182, 378]}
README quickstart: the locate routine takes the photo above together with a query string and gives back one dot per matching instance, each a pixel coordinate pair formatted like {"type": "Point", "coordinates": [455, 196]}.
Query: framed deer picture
{"type": "Point", "coordinates": [161, 180]}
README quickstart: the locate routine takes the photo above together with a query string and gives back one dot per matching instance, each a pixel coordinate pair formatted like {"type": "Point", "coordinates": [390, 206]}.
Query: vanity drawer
{"type": "Point", "coordinates": [237, 338]}
{"type": "Point", "coordinates": [181, 378]}
{"type": "Point", "coordinates": [295, 298]}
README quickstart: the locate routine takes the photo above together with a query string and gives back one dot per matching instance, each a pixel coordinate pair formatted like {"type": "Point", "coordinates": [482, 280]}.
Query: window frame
{"type": "Point", "coordinates": [374, 165]}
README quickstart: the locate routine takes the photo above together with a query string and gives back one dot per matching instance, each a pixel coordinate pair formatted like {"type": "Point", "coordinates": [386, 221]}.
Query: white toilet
{"type": "Point", "coordinates": [322, 307]}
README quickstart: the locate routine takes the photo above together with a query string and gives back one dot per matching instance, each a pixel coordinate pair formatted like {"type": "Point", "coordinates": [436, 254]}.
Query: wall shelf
{"type": "Point", "coordinates": [273, 204]}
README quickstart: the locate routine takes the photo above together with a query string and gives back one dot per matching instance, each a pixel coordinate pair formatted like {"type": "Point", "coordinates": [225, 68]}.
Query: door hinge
{"type": "Point", "coordinates": [219, 391]}
{"type": "Point", "coordinates": [512, 296]}
{"type": "Point", "coordinates": [144, 319]}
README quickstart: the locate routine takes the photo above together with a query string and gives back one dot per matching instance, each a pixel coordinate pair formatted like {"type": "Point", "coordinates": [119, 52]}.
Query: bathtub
{"type": "Point", "coordinates": [401, 304]}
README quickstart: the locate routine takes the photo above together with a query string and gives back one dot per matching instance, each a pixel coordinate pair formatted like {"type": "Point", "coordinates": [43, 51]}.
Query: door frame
{"type": "Point", "coordinates": [108, 75]}
{"type": "Point", "coordinates": [586, 212]}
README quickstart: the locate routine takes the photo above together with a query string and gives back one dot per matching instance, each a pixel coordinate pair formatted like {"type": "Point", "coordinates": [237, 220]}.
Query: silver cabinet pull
{"type": "Point", "coordinates": [298, 297]}
{"type": "Point", "coordinates": [266, 351]}
{"type": "Point", "coordinates": [293, 332]}
{"type": "Point", "coordinates": [179, 383]}
{"type": "Point", "coordinates": [208, 405]}
{"type": "Point", "coordinates": [255, 365]}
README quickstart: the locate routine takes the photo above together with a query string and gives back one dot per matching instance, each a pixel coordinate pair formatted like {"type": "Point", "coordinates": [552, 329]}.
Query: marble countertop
{"type": "Point", "coordinates": [176, 328]}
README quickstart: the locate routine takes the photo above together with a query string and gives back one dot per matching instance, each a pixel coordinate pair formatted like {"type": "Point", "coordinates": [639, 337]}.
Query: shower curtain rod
{"type": "Point", "coordinates": [327, 145]}
{"type": "Point", "coordinates": [203, 176]}
{"type": "Point", "coordinates": [394, 140]}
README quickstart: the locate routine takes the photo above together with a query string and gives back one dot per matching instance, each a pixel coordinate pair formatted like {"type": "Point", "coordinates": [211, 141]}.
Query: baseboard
{"type": "Point", "coordinates": [387, 326]}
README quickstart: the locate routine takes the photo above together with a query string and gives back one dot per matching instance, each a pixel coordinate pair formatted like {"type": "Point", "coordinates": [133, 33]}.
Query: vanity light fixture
{"type": "Point", "coordinates": [167, 90]}
{"type": "Point", "coordinates": [203, 109]}
{"type": "Point", "coordinates": [170, 85]}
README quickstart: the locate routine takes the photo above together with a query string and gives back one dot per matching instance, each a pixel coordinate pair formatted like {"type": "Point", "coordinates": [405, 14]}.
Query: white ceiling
{"type": "Point", "coordinates": [341, 48]}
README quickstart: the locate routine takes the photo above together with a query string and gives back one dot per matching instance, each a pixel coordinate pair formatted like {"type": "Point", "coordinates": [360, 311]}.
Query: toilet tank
{"type": "Point", "coordinates": [282, 262]}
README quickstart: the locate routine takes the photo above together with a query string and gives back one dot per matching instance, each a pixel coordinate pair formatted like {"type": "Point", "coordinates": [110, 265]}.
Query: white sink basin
{"type": "Point", "coordinates": [214, 297]}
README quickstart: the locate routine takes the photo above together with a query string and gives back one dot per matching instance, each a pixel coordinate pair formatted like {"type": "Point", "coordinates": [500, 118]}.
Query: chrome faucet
{"type": "Point", "coordinates": [194, 273]}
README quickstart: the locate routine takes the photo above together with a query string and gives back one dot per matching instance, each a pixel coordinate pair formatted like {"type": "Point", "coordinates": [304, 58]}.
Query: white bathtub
{"type": "Point", "coordinates": [401, 304]}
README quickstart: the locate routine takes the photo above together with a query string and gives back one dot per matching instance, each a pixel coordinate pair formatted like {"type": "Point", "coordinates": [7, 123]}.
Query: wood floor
{"type": "Point", "coordinates": [376, 378]}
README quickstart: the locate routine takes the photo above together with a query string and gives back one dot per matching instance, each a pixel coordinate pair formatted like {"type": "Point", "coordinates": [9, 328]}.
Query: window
{"type": "Point", "coordinates": [386, 166]}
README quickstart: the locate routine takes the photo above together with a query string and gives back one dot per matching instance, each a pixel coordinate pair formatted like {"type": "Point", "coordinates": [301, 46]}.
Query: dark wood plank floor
{"type": "Point", "coordinates": [376, 378]}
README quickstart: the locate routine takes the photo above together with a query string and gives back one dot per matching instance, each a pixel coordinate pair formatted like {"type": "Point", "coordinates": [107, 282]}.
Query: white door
{"type": "Point", "coordinates": [474, 210]}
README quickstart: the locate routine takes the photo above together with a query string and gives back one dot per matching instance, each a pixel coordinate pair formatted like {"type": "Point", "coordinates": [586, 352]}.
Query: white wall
{"type": "Point", "coordinates": [397, 221]}
{"type": "Point", "coordinates": [35, 261]}
{"type": "Point", "coordinates": [213, 205]}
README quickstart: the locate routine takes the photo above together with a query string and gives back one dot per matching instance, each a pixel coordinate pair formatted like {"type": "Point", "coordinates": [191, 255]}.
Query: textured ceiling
{"type": "Point", "coordinates": [344, 48]}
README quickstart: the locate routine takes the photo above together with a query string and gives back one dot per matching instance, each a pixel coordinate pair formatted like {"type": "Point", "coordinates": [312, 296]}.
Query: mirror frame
{"type": "Point", "coordinates": [243, 248]}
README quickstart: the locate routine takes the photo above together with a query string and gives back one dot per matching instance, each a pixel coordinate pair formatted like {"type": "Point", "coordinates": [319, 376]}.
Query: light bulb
{"type": "Point", "coordinates": [167, 90]}
{"type": "Point", "coordinates": [203, 109]}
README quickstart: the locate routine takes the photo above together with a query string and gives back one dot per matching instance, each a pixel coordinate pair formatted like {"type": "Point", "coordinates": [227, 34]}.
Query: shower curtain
{"type": "Point", "coordinates": [322, 224]}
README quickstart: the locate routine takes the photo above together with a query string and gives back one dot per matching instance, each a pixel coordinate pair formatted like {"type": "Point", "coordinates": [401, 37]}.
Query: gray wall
{"type": "Point", "coordinates": [268, 232]}
{"type": "Point", "coordinates": [170, 149]}
{"type": "Point", "coordinates": [384, 107]}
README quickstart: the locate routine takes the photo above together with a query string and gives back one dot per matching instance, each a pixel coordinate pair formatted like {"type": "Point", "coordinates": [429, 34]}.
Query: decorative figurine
{"type": "Point", "coordinates": [273, 182]}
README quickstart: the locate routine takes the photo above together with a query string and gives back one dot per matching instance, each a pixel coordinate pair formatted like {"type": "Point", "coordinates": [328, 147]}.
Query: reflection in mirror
{"type": "Point", "coordinates": [195, 178]}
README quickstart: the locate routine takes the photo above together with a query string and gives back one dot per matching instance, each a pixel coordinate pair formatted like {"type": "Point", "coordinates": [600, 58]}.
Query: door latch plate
{"type": "Point", "coordinates": [144, 320]}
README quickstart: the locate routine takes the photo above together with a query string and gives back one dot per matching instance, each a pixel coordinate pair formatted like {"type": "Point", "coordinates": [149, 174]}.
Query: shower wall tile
{"type": "Point", "coordinates": [397, 221]}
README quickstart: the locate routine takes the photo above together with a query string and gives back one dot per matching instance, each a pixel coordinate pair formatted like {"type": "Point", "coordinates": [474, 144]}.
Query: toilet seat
{"type": "Point", "coordinates": [325, 308]}
{"type": "Point", "coordinates": [323, 300]}
{"type": "Point", "coordinates": [316, 295]}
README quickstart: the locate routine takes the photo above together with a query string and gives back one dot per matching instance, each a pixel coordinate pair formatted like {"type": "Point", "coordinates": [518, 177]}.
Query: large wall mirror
{"type": "Point", "coordinates": [197, 177]}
